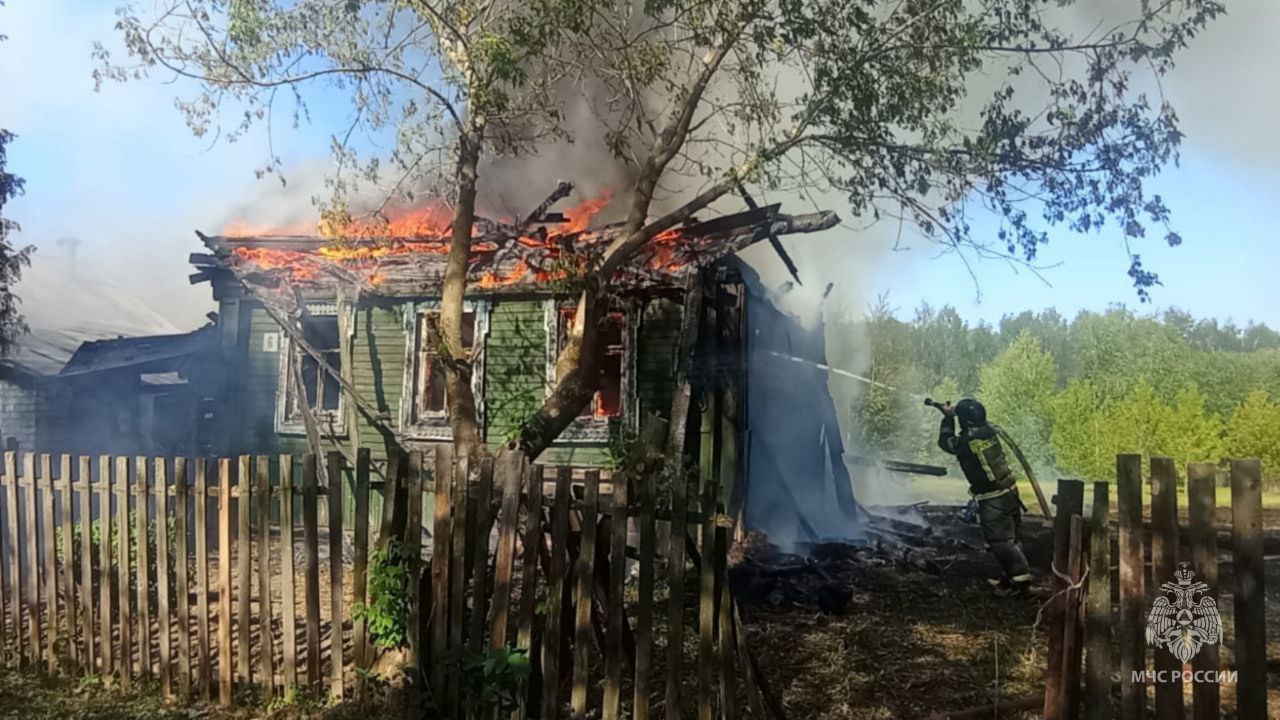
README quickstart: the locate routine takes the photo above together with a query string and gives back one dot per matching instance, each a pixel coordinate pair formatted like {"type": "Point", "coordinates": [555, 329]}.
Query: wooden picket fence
{"type": "Point", "coordinates": [1083, 617]}
{"type": "Point", "coordinates": [592, 643]}
{"type": "Point", "coordinates": [197, 574]}
{"type": "Point", "coordinates": [127, 568]}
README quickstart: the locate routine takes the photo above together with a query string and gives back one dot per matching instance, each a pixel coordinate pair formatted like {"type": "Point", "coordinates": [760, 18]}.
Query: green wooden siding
{"type": "Point", "coordinates": [514, 375]}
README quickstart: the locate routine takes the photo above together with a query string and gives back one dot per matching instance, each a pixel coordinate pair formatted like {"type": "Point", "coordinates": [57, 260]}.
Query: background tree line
{"type": "Point", "coordinates": [1074, 393]}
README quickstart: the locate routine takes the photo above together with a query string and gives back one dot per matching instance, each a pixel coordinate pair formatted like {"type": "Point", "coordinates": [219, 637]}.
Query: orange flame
{"type": "Point", "coordinates": [579, 217]}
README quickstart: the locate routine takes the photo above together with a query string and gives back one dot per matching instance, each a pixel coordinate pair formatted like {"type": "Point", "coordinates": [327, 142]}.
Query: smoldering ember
{"type": "Point", "coordinates": [475, 360]}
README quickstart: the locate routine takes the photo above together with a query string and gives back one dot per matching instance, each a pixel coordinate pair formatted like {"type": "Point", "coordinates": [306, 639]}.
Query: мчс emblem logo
{"type": "Point", "coordinates": [1184, 618]}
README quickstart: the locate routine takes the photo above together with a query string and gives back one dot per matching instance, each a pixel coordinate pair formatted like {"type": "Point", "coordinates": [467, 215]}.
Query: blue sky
{"type": "Point", "coordinates": [120, 171]}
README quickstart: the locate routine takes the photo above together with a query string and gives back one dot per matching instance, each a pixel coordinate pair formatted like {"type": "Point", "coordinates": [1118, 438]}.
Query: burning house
{"type": "Point", "coordinates": [362, 306]}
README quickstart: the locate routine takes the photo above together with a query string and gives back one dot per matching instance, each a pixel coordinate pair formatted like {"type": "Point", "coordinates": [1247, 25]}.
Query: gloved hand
{"type": "Point", "coordinates": [971, 512]}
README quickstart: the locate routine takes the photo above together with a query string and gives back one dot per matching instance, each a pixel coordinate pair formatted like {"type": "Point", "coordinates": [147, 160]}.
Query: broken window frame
{"type": "Point", "coordinates": [595, 428]}
{"type": "Point", "coordinates": [288, 417]}
{"type": "Point", "coordinates": [432, 425]}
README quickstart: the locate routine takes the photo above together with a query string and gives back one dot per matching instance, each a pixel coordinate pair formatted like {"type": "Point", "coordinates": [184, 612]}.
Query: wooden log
{"type": "Point", "coordinates": [706, 602]}
{"type": "Point", "coordinates": [644, 600]}
{"type": "Point", "coordinates": [224, 581]}
{"type": "Point", "coordinates": [50, 555]}
{"type": "Point", "coordinates": [337, 601]}
{"type": "Point", "coordinates": [182, 580]}
{"type": "Point", "coordinates": [583, 572]}
{"type": "Point", "coordinates": [105, 575]}
{"type": "Point", "coordinates": [509, 471]}
{"type": "Point", "coordinates": [1201, 511]}
{"type": "Point", "coordinates": [1070, 681]}
{"type": "Point", "coordinates": [555, 593]}
{"type": "Point", "coordinates": [1098, 621]}
{"type": "Point", "coordinates": [244, 565]}
{"type": "Point", "coordinates": [67, 556]}
{"type": "Point", "coordinates": [142, 583]}
{"type": "Point", "coordinates": [262, 501]}
{"type": "Point", "coordinates": [413, 552]}
{"type": "Point", "coordinates": [458, 569]}
{"type": "Point", "coordinates": [30, 534]}
{"type": "Point", "coordinates": [480, 557]}
{"type": "Point", "coordinates": [163, 618]}
{"type": "Point", "coordinates": [1070, 501]}
{"type": "Point", "coordinates": [204, 653]}
{"type": "Point", "coordinates": [1164, 563]}
{"type": "Point", "coordinates": [1250, 598]}
{"type": "Point", "coordinates": [88, 651]}
{"type": "Point", "coordinates": [288, 606]}
{"type": "Point", "coordinates": [675, 607]}
{"type": "Point", "coordinates": [311, 578]}
{"type": "Point", "coordinates": [441, 539]}
{"type": "Point", "coordinates": [360, 568]}
{"type": "Point", "coordinates": [615, 609]}
{"type": "Point", "coordinates": [1132, 626]}
{"type": "Point", "coordinates": [532, 541]}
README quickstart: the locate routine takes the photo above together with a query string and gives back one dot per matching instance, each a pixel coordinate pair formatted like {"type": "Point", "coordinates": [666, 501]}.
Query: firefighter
{"type": "Point", "coordinates": [993, 487]}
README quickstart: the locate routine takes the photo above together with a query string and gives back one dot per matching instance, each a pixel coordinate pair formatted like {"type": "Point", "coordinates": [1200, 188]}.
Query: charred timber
{"type": "Point", "coordinates": [896, 465]}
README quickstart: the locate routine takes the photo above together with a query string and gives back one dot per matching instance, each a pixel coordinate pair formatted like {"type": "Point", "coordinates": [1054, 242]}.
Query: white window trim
{"type": "Point", "coordinates": [436, 426]}
{"type": "Point", "coordinates": [594, 429]}
{"type": "Point", "coordinates": [330, 424]}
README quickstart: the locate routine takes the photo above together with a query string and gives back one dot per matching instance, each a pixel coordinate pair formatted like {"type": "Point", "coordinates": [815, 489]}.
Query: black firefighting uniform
{"type": "Point", "coordinates": [991, 483]}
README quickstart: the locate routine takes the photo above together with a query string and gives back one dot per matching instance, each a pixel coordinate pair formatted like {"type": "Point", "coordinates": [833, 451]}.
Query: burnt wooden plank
{"type": "Point", "coordinates": [12, 584]}
{"type": "Point", "coordinates": [266, 641]}
{"type": "Point", "coordinates": [311, 577]}
{"type": "Point", "coordinates": [360, 570]}
{"type": "Point", "coordinates": [413, 550]}
{"type": "Point", "coordinates": [289, 618]}
{"type": "Point", "coordinates": [1250, 600]}
{"type": "Point", "coordinates": [1098, 620]}
{"type": "Point", "coordinates": [532, 540]}
{"type": "Point", "coordinates": [204, 655]}
{"type": "Point", "coordinates": [182, 579]}
{"type": "Point", "coordinates": [480, 557]}
{"type": "Point", "coordinates": [142, 567]}
{"type": "Point", "coordinates": [509, 471]}
{"type": "Point", "coordinates": [616, 612]}
{"type": "Point", "coordinates": [1201, 511]}
{"type": "Point", "coordinates": [66, 555]}
{"type": "Point", "coordinates": [244, 564]}
{"type": "Point", "coordinates": [29, 532]}
{"type": "Point", "coordinates": [224, 581]}
{"type": "Point", "coordinates": [1164, 563]}
{"type": "Point", "coordinates": [336, 600]}
{"type": "Point", "coordinates": [163, 618]}
{"type": "Point", "coordinates": [1131, 630]}
{"type": "Point", "coordinates": [584, 570]}
{"type": "Point", "coordinates": [644, 599]}
{"type": "Point", "coordinates": [706, 602]}
{"type": "Point", "coordinates": [88, 651]}
{"type": "Point", "coordinates": [555, 595]}
{"type": "Point", "coordinates": [440, 550]}
{"type": "Point", "coordinates": [724, 631]}
{"type": "Point", "coordinates": [105, 574]}
{"type": "Point", "coordinates": [49, 563]}
{"type": "Point", "coordinates": [675, 607]}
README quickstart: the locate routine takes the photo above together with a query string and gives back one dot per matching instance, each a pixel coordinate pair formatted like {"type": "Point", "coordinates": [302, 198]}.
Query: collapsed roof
{"type": "Point", "coordinates": [505, 258]}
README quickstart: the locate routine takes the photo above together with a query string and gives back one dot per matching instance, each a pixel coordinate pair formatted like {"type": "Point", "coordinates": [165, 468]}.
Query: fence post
{"type": "Point", "coordinates": [244, 560]}
{"type": "Point", "coordinates": [311, 578]}
{"type": "Point", "coordinates": [675, 609]}
{"type": "Point", "coordinates": [1097, 679]}
{"type": "Point", "coordinates": [289, 619]}
{"type": "Point", "coordinates": [480, 557]}
{"type": "Point", "coordinates": [262, 474]}
{"type": "Point", "coordinates": [360, 571]}
{"type": "Point", "coordinates": [85, 473]}
{"type": "Point", "coordinates": [533, 542]}
{"type": "Point", "coordinates": [413, 551]}
{"type": "Point", "coordinates": [31, 536]}
{"type": "Point", "coordinates": [510, 471]}
{"type": "Point", "coordinates": [141, 518]}
{"type": "Point", "coordinates": [584, 573]}
{"type": "Point", "coordinates": [706, 598]}
{"type": "Point", "coordinates": [1058, 697]}
{"type": "Point", "coordinates": [1133, 694]}
{"type": "Point", "coordinates": [1250, 599]}
{"type": "Point", "coordinates": [1201, 508]}
{"type": "Point", "coordinates": [644, 607]}
{"type": "Point", "coordinates": [224, 581]}
{"type": "Point", "coordinates": [616, 594]}
{"type": "Point", "coordinates": [182, 582]}
{"type": "Point", "coordinates": [1071, 621]}
{"type": "Point", "coordinates": [162, 575]}
{"type": "Point", "coordinates": [50, 556]}
{"type": "Point", "coordinates": [104, 564]}
{"type": "Point", "coordinates": [68, 562]}
{"type": "Point", "coordinates": [11, 551]}
{"type": "Point", "coordinates": [336, 599]}
{"type": "Point", "coordinates": [1164, 563]}
{"type": "Point", "coordinates": [555, 595]}
{"type": "Point", "coordinates": [440, 551]}
{"type": "Point", "coordinates": [201, 516]}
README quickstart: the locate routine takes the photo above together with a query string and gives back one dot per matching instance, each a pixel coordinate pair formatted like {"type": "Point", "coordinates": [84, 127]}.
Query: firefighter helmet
{"type": "Point", "coordinates": [971, 413]}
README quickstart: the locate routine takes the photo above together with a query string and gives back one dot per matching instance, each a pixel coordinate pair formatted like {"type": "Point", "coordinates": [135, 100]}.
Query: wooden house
{"type": "Point", "coordinates": [362, 306]}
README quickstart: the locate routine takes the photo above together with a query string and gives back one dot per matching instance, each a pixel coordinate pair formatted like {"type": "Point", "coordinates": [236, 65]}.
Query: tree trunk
{"type": "Point", "coordinates": [463, 417]}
